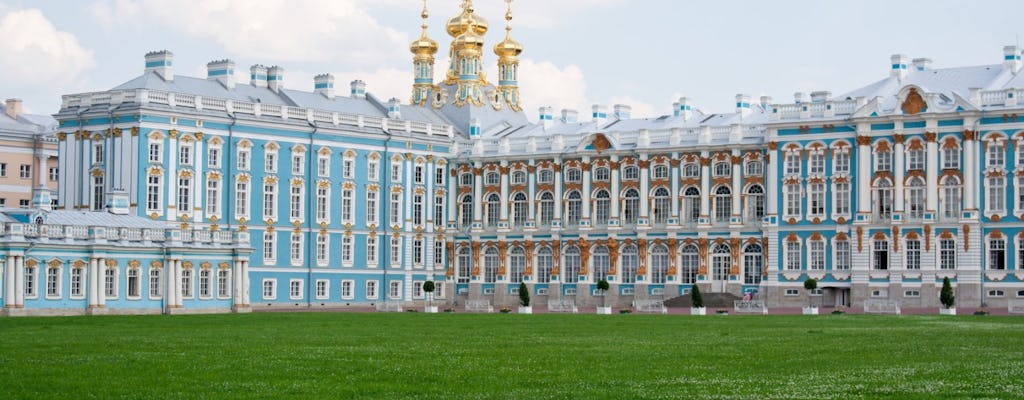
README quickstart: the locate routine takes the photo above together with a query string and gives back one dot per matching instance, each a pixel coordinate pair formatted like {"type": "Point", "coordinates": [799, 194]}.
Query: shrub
{"type": "Point", "coordinates": [810, 284]}
{"type": "Point", "coordinates": [524, 295]}
{"type": "Point", "coordinates": [946, 295]}
{"type": "Point", "coordinates": [602, 285]}
{"type": "Point", "coordinates": [698, 300]}
{"type": "Point", "coordinates": [428, 288]}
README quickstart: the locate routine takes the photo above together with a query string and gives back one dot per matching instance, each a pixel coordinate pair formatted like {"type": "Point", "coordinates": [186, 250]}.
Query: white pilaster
{"type": "Point", "coordinates": [932, 174]}
{"type": "Point", "coordinates": [101, 267]}
{"type": "Point", "coordinates": [899, 171]}
{"type": "Point", "coordinates": [970, 171]}
{"type": "Point", "coordinates": [94, 284]}
{"type": "Point", "coordinates": [863, 175]}
{"type": "Point", "coordinates": [19, 281]}
{"type": "Point", "coordinates": [772, 180]}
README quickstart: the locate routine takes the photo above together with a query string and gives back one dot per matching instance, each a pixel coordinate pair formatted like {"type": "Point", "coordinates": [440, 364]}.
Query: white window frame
{"type": "Point", "coordinates": [268, 289]}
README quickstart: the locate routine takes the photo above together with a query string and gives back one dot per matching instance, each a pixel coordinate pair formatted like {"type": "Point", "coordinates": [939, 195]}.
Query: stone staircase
{"type": "Point", "coordinates": [711, 300]}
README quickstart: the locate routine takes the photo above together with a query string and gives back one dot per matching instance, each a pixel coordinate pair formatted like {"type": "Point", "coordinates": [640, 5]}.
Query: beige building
{"type": "Point", "coordinates": [28, 155]}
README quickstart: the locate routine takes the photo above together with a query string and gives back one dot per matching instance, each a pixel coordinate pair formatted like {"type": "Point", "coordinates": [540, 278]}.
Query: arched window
{"type": "Point", "coordinates": [691, 204]}
{"type": "Point", "coordinates": [755, 203]}
{"type": "Point", "coordinates": [630, 173]}
{"type": "Point", "coordinates": [601, 174]}
{"type": "Point", "coordinates": [573, 206]}
{"type": "Point", "coordinates": [690, 263]}
{"type": "Point", "coordinates": [949, 198]}
{"type": "Point", "coordinates": [629, 263]}
{"type": "Point", "coordinates": [601, 263]}
{"type": "Point", "coordinates": [753, 264]}
{"type": "Point", "coordinates": [545, 176]}
{"type": "Point", "coordinates": [547, 208]}
{"type": "Point", "coordinates": [466, 179]}
{"type": "Point", "coordinates": [518, 177]}
{"type": "Point", "coordinates": [659, 263]}
{"type": "Point", "coordinates": [602, 207]}
{"type": "Point", "coordinates": [721, 262]}
{"type": "Point", "coordinates": [544, 265]}
{"type": "Point", "coordinates": [915, 198]}
{"type": "Point", "coordinates": [571, 265]}
{"type": "Point", "coordinates": [630, 206]}
{"type": "Point", "coordinates": [662, 205]}
{"type": "Point", "coordinates": [519, 210]}
{"type": "Point", "coordinates": [464, 264]}
{"type": "Point", "coordinates": [723, 204]}
{"type": "Point", "coordinates": [493, 209]}
{"type": "Point", "coordinates": [493, 178]}
{"type": "Point", "coordinates": [491, 263]}
{"type": "Point", "coordinates": [691, 170]}
{"type": "Point", "coordinates": [722, 169]}
{"type": "Point", "coordinates": [517, 264]}
{"type": "Point", "coordinates": [753, 168]}
{"type": "Point", "coordinates": [660, 171]}
{"type": "Point", "coordinates": [465, 210]}
{"type": "Point", "coordinates": [572, 175]}
{"type": "Point", "coordinates": [883, 200]}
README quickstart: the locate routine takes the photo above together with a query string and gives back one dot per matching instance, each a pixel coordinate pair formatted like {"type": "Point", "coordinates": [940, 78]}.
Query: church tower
{"type": "Point", "coordinates": [508, 51]}
{"type": "Point", "coordinates": [423, 50]}
{"type": "Point", "coordinates": [466, 69]}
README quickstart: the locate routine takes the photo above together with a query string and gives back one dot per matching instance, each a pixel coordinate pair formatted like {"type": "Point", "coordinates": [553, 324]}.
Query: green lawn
{"type": "Point", "coordinates": [345, 355]}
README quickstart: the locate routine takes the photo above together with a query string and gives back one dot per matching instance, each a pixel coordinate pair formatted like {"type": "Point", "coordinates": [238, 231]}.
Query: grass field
{"type": "Point", "coordinates": [347, 355]}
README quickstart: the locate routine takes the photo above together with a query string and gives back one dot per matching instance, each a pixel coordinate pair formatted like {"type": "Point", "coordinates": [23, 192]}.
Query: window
{"type": "Point", "coordinates": [995, 293]}
{"type": "Point", "coordinates": [573, 208]}
{"type": "Point", "coordinates": [296, 248]}
{"type": "Point", "coordinates": [996, 194]}
{"type": "Point", "coordinates": [243, 160]}
{"type": "Point", "coordinates": [662, 205]}
{"type": "Point", "coordinates": [153, 186]}
{"type": "Point", "coordinates": [545, 176]}
{"type": "Point", "coordinates": [23, 203]}
{"type": "Point", "coordinates": [134, 283]}
{"type": "Point", "coordinates": [659, 264]}
{"type": "Point", "coordinates": [466, 179]}
{"type": "Point", "coordinates": [396, 252]}
{"type": "Point", "coordinates": [242, 199]}
{"type": "Point", "coordinates": [110, 282]}
{"type": "Point", "coordinates": [792, 193]}
{"type": "Point", "coordinates": [372, 170]}
{"type": "Point", "coordinates": [439, 176]}
{"type": "Point", "coordinates": [30, 282]}
{"type": "Point", "coordinates": [156, 287]}
{"type": "Point", "coordinates": [995, 154]}
{"type": "Point", "coordinates": [491, 264]}
{"type": "Point", "coordinates": [205, 291]}
{"type": "Point", "coordinates": [186, 283]}
{"type": "Point", "coordinates": [792, 163]}
{"type": "Point", "coordinates": [396, 208]}
{"type": "Point", "coordinates": [881, 255]}
{"type": "Point", "coordinates": [155, 152]}
{"type": "Point", "coordinates": [323, 291]}
{"type": "Point", "coordinates": [396, 172]}
{"type": "Point", "coordinates": [417, 174]}
{"type": "Point", "coordinates": [323, 166]}
{"type": "Point", "coordinates": [911, 293]}
{"type": "Point", "coordinates": [630, 173]}
{"type": "Point", "coordinates": [602, 207]}
{"type": "Point", "coordinates": [721, 169]}
{"type": "Point", "coordinates": [295, 289]}
{"type": "Point", "coordinates": [54, 174]}
{"type": "Point", "coordinates": [1019, 157]}
{"type": "Point", "coordinates": [915, 198]}
{"type": "Point", "coordinates": [492, 179]}
{"type": "Point", "coordinates": [52, 282]}
{"type": "Point", "coordinates": [544, 265]}
{"type": "Point", "coordinates": [755, 203]}
{"type": "Point", "coordinates": [185, 154]}
{"type": "Point", "coordinates": [691, 204]}
{"type": "Point", "coordinates": [395, 290]}
{"type": "Point", "coordinates": [269, 247]}
{"type": "Point", "coordinates": [519, 210]}
{"type": "Point", "coordinates": [348, 168]}
{"type": "Point", "coordinates": [753, 264]}
{"type": "Point", "coordinates": [816, 200]}
{"type": "Point", "coordinates": [77, 283]}
{"type": "Point", "coordinates": [322, 243]}
{"type": "Point", "coordinates": [371, 290]}
{"type": "Point", "coordinates": [913, 253]}
{"type": "Point", "coordinates": [949, 198]}
{"type": "Point", "coordinates": [493, 208]}
{"type": "Point", "coordinates": [184, 194]}
{"type": "Point", "coordinates": [371, 250]}
{"type": "Point", "coordinates": [346, 289]}
{"type": "Point", "coordinates": [690, 264]}
{"type": "Point", "coordinates": [547, 208]}
{"type": "Point", "coordinates": [841, 162]}
{"type": "Point", "coordinates": [97, 155]}
{"type": "Point", "coordinates": [997, 254]}
{"type": "Point", "coordinates": [223, 283]}
{"type": "Point", "coordinates": [630, 206]}
{"type": "Point", "coordinates": [883, 200]}
{"type": "Point", "coordinates": [816, 164]}
{"type": "Point", "coordinates": [883, 161]}
{"type": "Point", "coordinates": [417, 251]}
{"type": "Point", "coordinates": [439, 211]}
{"type": "Point", "coordinates": [269, 289]}
{"type": "Point", "coordinates": [98, 199]}
{"type": "Point", "coordinates": [295, 203]}
{"type": "Point", "coordinates": [3, 170]}
{"type": "Point", "coordinates": [691, 170]}
{"type": "Point", "coordinates": [348, 206]}
{"type": "Point", "coordinates": [517, 264]}
{"type": "Point", "coordinates": [323, 203]}
{"type": "Point", "coordinates": [465, 211]}
{"type": "Point", "coordinates": [723, 204]}
{"type": "Point", "coordinates": [212, 196]}
{"type": "Point", "coordinates": [571, 265]}
{"type": "Point", "coordinates": [793, 255]}
{"type": "Point", "coordinates": [269, 200]}
{"type": "Point", "coordinates": [601, 174]}
{"type": "Point", "coordinates": [371, 207]}
{"type": "Point", "coordinates": [346, 249]}
{"type": "Point", "coordinates": [298, 164]}
{"type": "Point", "coordinates": [753, 168]}
{"type": "Point", "coordinates": [270, 162]}
{"type": "Point", "coordinates": [915, 160]}
{"type": "Point", "coordinates": [518, 177]}
{"type": "Point", "coordinates": [792, 292]}
{"type": "Point", "coordinates": [660, 171]}
{"type": "Point", "coordinates": [438, 253]}
{"type": "Point", "coordinates": [213, 157]}
{"type": "Point", "coordinates": [816, 254]}
{"type": "Point", "coordinates": [950, 157]}
{"type": "Point", "coordinates": [417, 209]}
{"type": "Point", "coordinates": [947, 254]}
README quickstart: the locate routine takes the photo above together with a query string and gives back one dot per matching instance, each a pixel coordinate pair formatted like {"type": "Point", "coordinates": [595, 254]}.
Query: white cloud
{"type": "Point", "coordinates": [289, 30]}
{"type": "Point", "coordinates": [36, 53]}
{"type": "Point", "coordinates": [546, 84]}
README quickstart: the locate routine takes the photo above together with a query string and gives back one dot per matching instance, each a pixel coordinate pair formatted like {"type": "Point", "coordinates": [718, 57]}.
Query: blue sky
{"type": "Point", "coordinates": [578, 52]}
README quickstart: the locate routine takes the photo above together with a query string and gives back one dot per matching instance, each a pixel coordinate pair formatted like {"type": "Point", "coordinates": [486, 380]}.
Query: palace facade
{"type": "Point", "coordinates": [878, 193]}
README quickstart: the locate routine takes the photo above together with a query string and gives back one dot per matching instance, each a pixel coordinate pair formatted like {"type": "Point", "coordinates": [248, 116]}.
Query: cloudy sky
{"type": "Point", "coordinates": [645, 53]}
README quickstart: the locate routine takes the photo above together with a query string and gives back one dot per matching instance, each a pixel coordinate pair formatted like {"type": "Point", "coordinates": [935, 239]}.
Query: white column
{"type": "Point", "coordinates": [932, 173]}
{"type": "Point", "coordinates": [19, 281]}
{"type": "Point", "coordinates": [199, 183]}
{"type": "Point", "coordinates": [453, 198]}
{"type": "Point", "coordinates": [245, 282]}
{"type": "Point", "coordinates": [899, 171]}
{"type": "Point", "coordinates": [94, 284]}
{"type": "Point", "coordinates": [559, 199]}
{"type": "Point", "coordinates": [737, 187]}
{"type": "Point", "coordinates": [478, 194]}
{"type": "Point", "coordinates": [970, 172]}
{"type": "Point", "coordinates": [772, 179]}
{"type": "Point", "coordinates": [585, 207]}
{"type": "Point", "coordinates": [614, 213]}
{"type": "Point", "coordinates": [531, 194]}
{"type": "Point", "coordinates": [705, 185]}
{"type": "Point", "coordinates": [674, 190]}
{"type": "Point", "coordinates": [645, 188]}
{"type": "Point", "coordinates": [41, 171]}
{"type": "Point", "coordinates": [171, 180]}
{"type": "Point", "coordinates": [9, 279]}
{"type": "Point", "coordinates": [505, 203]}
{"type": "Point", "coordinates": [863, 175]}
{"type": "Point", "coordinates": [101, 288]}
{"type": "Point", "coordinates": [173, 283]}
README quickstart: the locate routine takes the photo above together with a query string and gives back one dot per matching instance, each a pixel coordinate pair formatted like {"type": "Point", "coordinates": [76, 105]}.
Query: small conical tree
{"type": "Point", "coordinates": [602, 285]}
{"type": "Point", "coordinates": [428, 287]}
{"type": "Point", "coordinates": [810, 284]}
{"type": "Point", "coordinates": [698, 300]}
{"type": "Point", "coordinates": [524, 295]}
{"type": "Point", "coordinates": [946, 295]}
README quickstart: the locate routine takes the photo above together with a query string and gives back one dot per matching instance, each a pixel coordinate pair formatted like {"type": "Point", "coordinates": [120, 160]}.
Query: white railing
{"type": "Point", "coordinates": [1015, 307]}
{"type": "Point", "coordinates": [881, 307]}
{"type": "Point", "coordinates": [389, 306]}
{"type": "Point", "coordinates": [650, 306]}
{"type": "Point", "coordinates": [479, 306]}
{"type": "Point", "coordinates": [562, 305]}
{"type": "Point", "coordinates": [113, 234]}
{"type": "Point", "coordinates": [750, 306]}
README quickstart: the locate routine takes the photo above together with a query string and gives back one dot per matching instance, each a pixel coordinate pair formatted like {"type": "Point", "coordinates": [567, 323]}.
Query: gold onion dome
{"type": "Point", "coordinates": [424, 45]}
{"type": "Point", "coordinates": [508, 47]}
{"type": "Point", "coordinates": [465, 21]}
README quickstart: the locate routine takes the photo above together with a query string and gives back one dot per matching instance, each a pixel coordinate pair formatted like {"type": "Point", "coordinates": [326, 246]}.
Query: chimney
{"type": "Point", "coordinates": [394, 108]}
{"type": "Point", "coordinates": [570, 116]}
{"type": "Point", "coordinates": [358, 89]}
{"type": "Point", "coordinates": [600, 113]}
{"type": "Point", "coordinates": [798, 97]}
{"type": "Point", "coordinates": [546, 116]}
{"type": "Point", "coordinates": [161, 62]}
{"type": "Point", "coordinates": [684, 108]}
{"type": "Point", "coordinates": [13, 108]}
{"type": "Point", "coordinates": [222, 71]}
{"type": "Point", "coordinates": [258, 75]}
{"type": "Point", "coordinates": [743, 104]}
{"type": "Point", "coordinates": [821, 96]}
{"type": "Point", "coordinates": [1011, 58]}
{"type": "Point", "coordinates": [622, 111]}
{"type": "Point", "coordinates": [324, 84]}
{"type": "Point", "coordinates": [922, 64]}
{"type": "Point", "coordinates": [275, 78]}
{"type": "Point", "coordinates": [899, 66]}
{"type": "Point", "coordinates": [766, 102]}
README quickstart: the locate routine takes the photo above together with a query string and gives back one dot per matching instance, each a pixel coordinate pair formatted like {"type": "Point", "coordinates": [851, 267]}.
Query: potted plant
{"type": "Point", "coordinates": [947, 298]}
{"type": "Point", "coordinates": [810, 284]}
{"type": "Point", "coordinates": [524, 299]}
{"type": "Point", "coordinates": [428, 288]}
{"type": "Point", "coordinates": [698, 302]}
{"type": "Point", "coordinates": [602, 285]}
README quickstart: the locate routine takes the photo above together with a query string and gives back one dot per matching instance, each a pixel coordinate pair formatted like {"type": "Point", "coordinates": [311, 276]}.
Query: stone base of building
{"type": "Point", "coordinates": [190, 311]}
